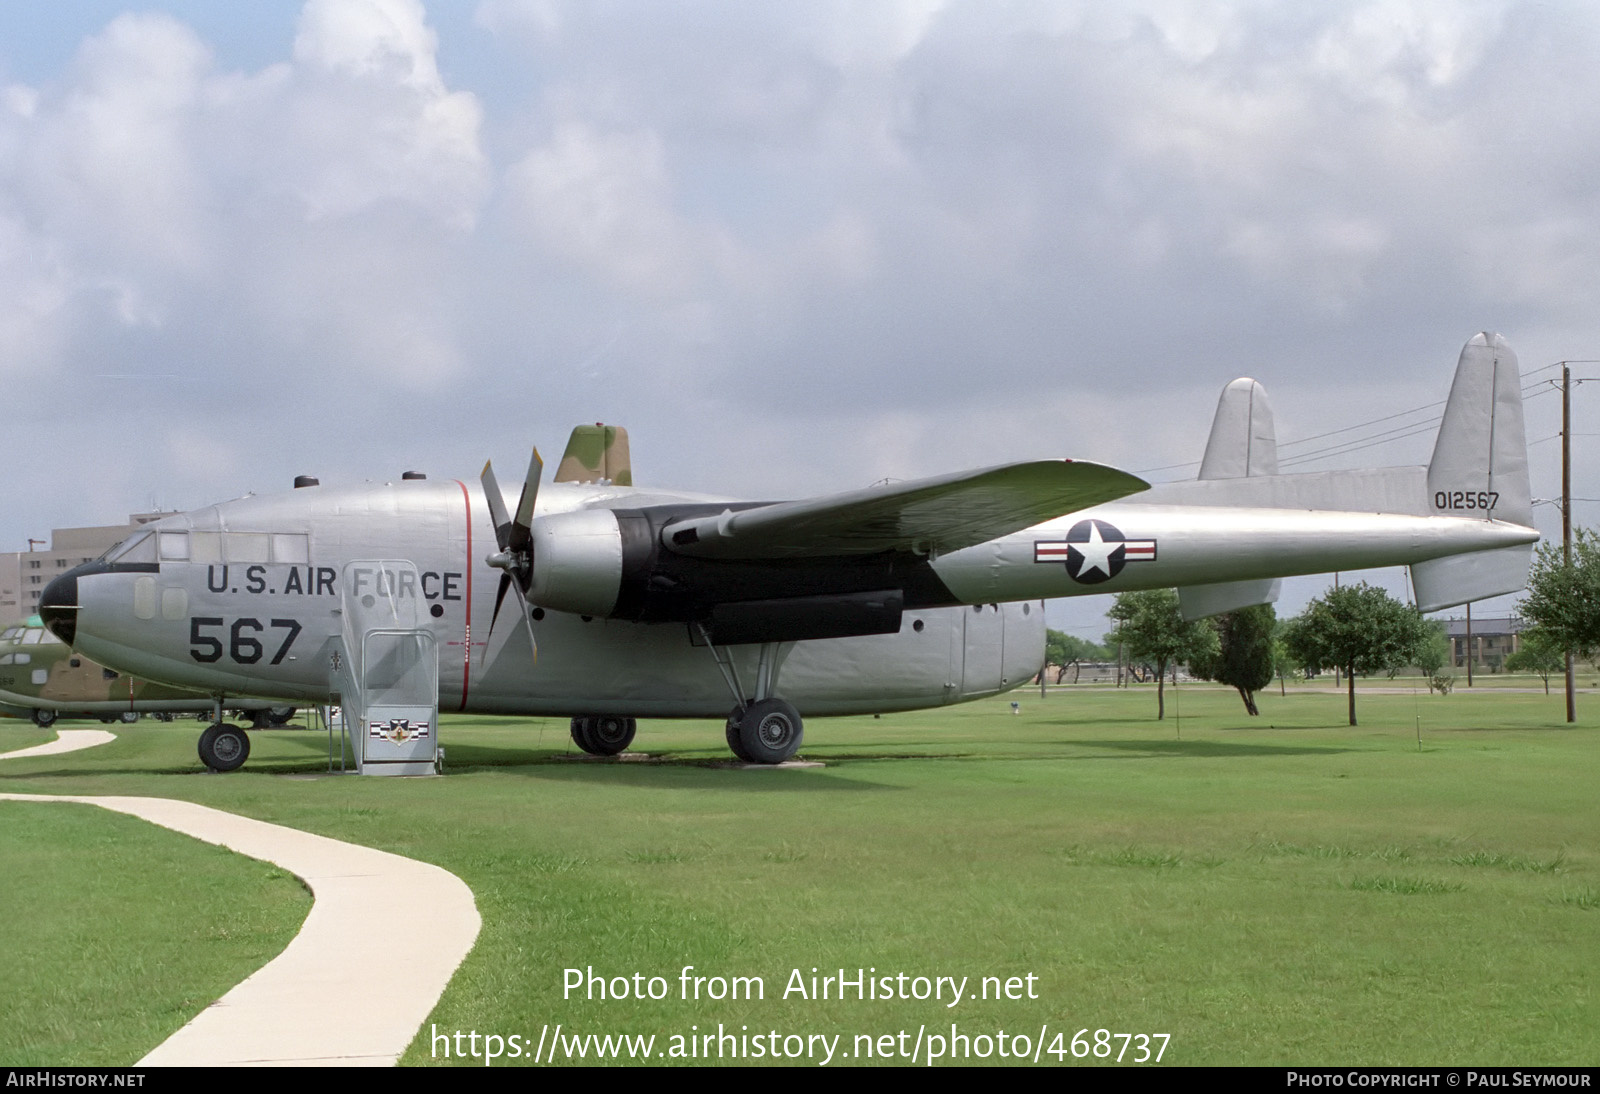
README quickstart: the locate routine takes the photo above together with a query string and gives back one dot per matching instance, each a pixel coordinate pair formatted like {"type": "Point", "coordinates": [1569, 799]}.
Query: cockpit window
{"type": "Point", "coordinates": [205, 547]}
{"type": "Point", "coordinates": [174, 546]}
{"type": "Point", "coordinates": [291, 547]}
{"type": "Point", "coordinates": [136, 548]}
{"type": "Point", "coordinates": [10, 634]}
{"type": "Point", "coordinates": [245, 546]}
{"type": "Point", "coordinates": [212, 547]}
{"type": "Point", "coordinates": [33, 636]}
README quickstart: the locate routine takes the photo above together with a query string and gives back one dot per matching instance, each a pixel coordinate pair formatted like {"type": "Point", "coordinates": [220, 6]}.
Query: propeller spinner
{"type": "Point", "coordinates": [514, 535]}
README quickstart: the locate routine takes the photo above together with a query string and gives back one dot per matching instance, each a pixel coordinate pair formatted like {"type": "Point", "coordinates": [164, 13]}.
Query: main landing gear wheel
{"type": "Point", "coordinates": [731, 733]}
{"type": "Point", "coordinates": [224, 747]}
{"type": "Point", "coordinates": [769, 732]}
{"type": "Point", "coordinates": [271, 717]}
{"type": "Point", "coordinates": [603, 734]}
{"type": "Point", "coordinates": [128, 717]}
{"type": "Point", "coordinates": [43, 718]}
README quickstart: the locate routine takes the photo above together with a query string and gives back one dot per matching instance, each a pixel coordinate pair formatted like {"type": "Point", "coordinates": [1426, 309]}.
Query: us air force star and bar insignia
{"type": "Point", "coordinates": [397, 730]}
{"type": "Point", "coordinates": [1094, 551]}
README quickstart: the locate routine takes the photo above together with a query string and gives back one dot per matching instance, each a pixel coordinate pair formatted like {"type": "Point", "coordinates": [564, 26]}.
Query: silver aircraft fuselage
{"type": "Point", "coordinates": [244, 597]}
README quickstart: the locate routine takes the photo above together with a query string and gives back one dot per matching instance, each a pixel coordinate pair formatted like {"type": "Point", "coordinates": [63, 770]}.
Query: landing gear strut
{"type": "Point", "coordinates": [765, 729]}
{"type": "Point", "coordinates": [603, 734]}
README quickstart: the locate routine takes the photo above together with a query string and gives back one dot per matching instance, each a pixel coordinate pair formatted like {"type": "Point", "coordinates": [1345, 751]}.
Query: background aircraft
{"type": "Point", "coordinates": [635, 601]}
{"type": "Point", "coordinates": [43, 679]}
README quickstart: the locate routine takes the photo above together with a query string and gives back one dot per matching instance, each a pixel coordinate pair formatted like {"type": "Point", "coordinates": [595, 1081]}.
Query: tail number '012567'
{"type": "Point", "coordinates": [244, 644]}
{"type": "Point", "coordinates": [1481, 500]}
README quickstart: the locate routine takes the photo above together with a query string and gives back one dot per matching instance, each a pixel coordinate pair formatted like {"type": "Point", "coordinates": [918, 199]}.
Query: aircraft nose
{"type": "Point", "coordinates": [58, 606]}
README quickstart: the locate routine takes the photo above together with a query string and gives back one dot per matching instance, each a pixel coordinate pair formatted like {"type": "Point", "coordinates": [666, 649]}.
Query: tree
{"type": "Point", "coordinates": [1244, 658]}
{"type": "Point", "coordinates": [1563, 602]}
{"type": "Point", "coordinates": [1539, 654]}
{"type": "Point", "coordinates": [1154, 630]}
{"type": "Point", "coordinates": [1359, 629]}
{"type": "Point", "coordinates": [1069, 651]}
{"type": "Point", "coordinates": [1433, 654]}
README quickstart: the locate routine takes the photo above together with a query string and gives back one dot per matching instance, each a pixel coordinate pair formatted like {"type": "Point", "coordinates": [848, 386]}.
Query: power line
{"type": "Point", "coordinates": [1362, 425]}
{"type": "Point", "coordinates": [1388, 436]}
{"type": "Point", "coordinates": [1420, 429]}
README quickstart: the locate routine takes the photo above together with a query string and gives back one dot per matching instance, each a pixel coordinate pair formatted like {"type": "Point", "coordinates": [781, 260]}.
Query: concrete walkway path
{"type": "Point", "coordinates": [67, 740]}
{"type": "Point", "coordinates": [384, 936]}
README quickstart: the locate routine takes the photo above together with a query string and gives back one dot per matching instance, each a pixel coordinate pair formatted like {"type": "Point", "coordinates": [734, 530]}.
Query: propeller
{"type": "Point", "coordinates": [514, 536]}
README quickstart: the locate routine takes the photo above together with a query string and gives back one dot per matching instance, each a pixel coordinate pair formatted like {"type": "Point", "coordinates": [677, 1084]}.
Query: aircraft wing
{"type": "Point", "coordinates": [926, 516]}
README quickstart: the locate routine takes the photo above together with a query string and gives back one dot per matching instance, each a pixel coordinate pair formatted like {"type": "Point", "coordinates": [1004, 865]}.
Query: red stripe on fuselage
{"type": "Point", "coordinates": [466, 659]}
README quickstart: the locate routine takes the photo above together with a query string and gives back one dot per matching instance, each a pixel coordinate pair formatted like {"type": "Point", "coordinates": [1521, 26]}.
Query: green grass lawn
{"type": "Point", "coordinates": [16, 734]}
{"type": "Point", "coordinates": [118, 932]}
{"type": "Point", "coordinates": [1286, 889]}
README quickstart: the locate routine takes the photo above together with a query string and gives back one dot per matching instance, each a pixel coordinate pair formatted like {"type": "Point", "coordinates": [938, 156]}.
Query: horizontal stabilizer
{"type": "Point", "coordinates": [1458, 579]}
{"type": "Point", "coordinates": [1201, 601]}
{"type": "Point", "coordinates": [925, 516]}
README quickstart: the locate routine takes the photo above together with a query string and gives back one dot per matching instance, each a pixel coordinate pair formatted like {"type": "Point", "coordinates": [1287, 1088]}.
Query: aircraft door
{"type": "Point", "coordinates": [983, 652]}
{"type": "Point", "coordinates": [389, 679]}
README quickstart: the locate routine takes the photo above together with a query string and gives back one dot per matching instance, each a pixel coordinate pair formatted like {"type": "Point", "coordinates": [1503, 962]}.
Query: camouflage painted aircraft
{"type": "Point", "coordinates": [639, 602]}
{"type": "Point", "coordinates": [42, 678]}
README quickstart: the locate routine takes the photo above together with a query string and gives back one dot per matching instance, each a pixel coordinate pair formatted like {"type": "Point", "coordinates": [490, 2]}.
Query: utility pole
{"type": "Point", "coordinates": [1469, 643]}
{"type": "Point", "coordinates": [1566, 511]}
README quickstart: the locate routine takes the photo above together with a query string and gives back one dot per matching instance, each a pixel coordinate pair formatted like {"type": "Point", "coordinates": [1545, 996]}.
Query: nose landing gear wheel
{"type": "Point", "coordinates": [769, 732]}
{"type": "Point", "coordinates": [43, 718]}
{"type": "Point", "coordinates": [224, 747]}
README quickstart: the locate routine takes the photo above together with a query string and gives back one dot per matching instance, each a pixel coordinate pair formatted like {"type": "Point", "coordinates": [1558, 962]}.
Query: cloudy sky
{"type": "Point", "coordinates": [794, 248]}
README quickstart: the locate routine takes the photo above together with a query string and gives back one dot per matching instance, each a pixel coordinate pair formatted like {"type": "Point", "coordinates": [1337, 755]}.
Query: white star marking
{"type": "Point", "coordinates": [1096, 553]}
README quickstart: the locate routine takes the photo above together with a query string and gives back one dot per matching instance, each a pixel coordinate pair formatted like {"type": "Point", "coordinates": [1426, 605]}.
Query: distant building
{"type": "Point", "coordinates": [24, 574]}
{"type": "Point", "coordinates": [1493, 640]}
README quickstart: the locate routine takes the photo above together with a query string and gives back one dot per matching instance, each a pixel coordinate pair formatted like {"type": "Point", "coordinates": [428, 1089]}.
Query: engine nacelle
{"type": "Point", "coordinates": [577, 562]}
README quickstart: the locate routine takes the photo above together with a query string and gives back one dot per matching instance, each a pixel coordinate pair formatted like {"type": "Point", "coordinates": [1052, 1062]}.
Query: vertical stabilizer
{"type": "Point", "coordinates": [1480, 461]}
{"type": "Point", "coordinates": [1479, 470]}
{"type": "Point", "coordinates": [1243, 442]}
{"type": "Point", "coordinates": [596, 454]}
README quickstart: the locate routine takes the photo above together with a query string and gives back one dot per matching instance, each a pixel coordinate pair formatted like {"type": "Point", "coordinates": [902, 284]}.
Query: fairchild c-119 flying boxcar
{"type": "Point", "coordinates": [641, 602]}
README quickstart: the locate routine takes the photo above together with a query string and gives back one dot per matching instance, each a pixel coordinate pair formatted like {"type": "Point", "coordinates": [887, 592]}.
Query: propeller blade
{"type": "Point", "coordinates": [521, 527]}
{"type": "Point", "coordinates": [514, 537]}
{"type": "Point", "coordinates": [527, 621]}
{"type": "Point", "coordinates": [506, 582]}
{"type": "Point", "coordinates": [499, 598]}
{"type": "Point", "coordinates": [497, 506]}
